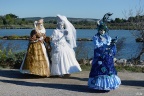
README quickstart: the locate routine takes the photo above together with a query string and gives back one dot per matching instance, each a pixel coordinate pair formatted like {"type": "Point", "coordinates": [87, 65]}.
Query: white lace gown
{"type": "Point", "coordinates": [63, 56]}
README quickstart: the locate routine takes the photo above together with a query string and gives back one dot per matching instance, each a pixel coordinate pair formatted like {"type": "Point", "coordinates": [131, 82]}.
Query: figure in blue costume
{"type": "Point", "coordinates": [103, 75]}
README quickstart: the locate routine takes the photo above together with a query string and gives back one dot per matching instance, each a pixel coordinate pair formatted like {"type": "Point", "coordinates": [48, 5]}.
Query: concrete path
{"type": "Point", "coordinates": [13, 83]}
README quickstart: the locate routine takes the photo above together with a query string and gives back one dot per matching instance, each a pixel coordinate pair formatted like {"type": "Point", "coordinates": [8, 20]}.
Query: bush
{"type": "Point", "coordinates": [13, 37]}
{"type": "Point", "coordinates": [9, 59]}
{"type": "Point", "coordinates": [2, 58]}
{"type": "Point", "coordinates": [19, 59]}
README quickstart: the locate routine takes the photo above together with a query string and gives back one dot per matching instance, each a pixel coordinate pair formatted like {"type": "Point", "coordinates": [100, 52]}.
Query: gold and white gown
{"type": "Point", "coordinates": [36, 59]}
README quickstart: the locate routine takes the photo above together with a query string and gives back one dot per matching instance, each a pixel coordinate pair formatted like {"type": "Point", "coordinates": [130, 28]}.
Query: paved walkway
{"type": "Point", "coordinates": [13, 83]}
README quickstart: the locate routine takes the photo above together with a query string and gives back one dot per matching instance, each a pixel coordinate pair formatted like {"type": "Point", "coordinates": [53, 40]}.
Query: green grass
{"type": "Point", "coordinates": [119, 68]}
{"type": "Point", "coordinates": [130, 68]}
{"type": "Point", "coordinates": [86, 67]}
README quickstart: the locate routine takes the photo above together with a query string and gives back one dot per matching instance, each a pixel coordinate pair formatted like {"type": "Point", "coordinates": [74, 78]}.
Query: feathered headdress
{"type": "Point", "coordinates": [101, 24]}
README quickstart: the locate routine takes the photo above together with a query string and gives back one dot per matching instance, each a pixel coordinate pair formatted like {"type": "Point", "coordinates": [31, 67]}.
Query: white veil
{"type": "Point", "coordinates": [71, 30]}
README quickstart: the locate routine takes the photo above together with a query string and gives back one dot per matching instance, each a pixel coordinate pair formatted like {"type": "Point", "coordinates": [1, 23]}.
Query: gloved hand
{"type": "Point", "coordinates": [113, 41]}
{"type": "Point", "coordinates": [41, 38]}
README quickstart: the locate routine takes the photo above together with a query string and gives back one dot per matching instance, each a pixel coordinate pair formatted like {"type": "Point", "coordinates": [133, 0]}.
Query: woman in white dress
{"type": "Point", "coordinates": [36, 60]}
{"type": "Point", "coordinates": [63, 41]}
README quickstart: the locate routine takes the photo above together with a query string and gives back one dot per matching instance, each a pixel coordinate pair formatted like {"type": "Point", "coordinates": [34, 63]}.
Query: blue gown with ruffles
{"type": "Point", "coordinates": [103, 75]}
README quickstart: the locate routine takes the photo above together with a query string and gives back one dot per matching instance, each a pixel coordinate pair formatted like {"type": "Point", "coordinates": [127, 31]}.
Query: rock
{"type": "Point", "coordinates": [84, 61]}
{"type": "Point", "coordinates": [90, 62]}
{"type": "Point", "coordinates": [115, 59]}
{"type": "Point", "coordinates": [141, 62]}
{"type": "Point", "coordinates": [121, 61]}
{"type": "Point", "coordinates": [139, 39]}
{"type": "Point", "coordinates": [140, 66]}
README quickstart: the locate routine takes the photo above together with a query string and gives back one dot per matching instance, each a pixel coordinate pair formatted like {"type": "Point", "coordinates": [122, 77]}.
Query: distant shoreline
{"type": "Point", "coordinates": [82, 26]}
{"type": "Point", "coordinates": [27, 38]}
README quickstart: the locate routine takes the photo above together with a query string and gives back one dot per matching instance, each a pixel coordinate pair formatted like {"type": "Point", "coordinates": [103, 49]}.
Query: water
{"type": "Point", "coordinates": [129, 49]}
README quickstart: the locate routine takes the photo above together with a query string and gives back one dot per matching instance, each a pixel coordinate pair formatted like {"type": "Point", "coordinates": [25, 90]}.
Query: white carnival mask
{"type": "Point", "coordinates": [39, 24]}
{"type": "Point", "coordinates": [102, 32]}
{"type": "Point", "coordinates": [60, 25]}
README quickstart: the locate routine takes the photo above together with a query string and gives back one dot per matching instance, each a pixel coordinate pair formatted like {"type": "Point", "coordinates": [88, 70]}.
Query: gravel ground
{"type": "Point", "coordinates": [13, 83]}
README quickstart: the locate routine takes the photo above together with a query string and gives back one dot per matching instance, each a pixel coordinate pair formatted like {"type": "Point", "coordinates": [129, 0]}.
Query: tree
{"type": "Point", "coordinates": [11, 16]}
{"type": "Point", "coordinates": [118, 20]}
{"type": "Point", "coordinates": [1, 20]}
{"type": "Point", "coordinates": [136, 21]}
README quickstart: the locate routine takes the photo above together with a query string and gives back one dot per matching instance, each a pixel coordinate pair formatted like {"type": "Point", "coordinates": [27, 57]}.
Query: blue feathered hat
{"type": "Point", "coordinates": [101, 24]}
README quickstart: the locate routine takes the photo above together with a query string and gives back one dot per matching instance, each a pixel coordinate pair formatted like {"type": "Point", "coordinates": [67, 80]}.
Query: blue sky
{"type": "Point", "coordinates": [70, 8]}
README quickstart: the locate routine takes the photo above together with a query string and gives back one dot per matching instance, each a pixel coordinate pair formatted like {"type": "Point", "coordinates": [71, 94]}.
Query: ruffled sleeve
{"type": "Point", "coordinates": [54, 36]}
{"type": "Point", "coordinates": [97, 42]}
{"type": "Point", "coordinates": [108, 40]}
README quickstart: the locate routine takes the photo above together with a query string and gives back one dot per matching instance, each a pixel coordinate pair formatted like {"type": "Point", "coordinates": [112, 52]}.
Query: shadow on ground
{"type": "Point", "coordinates": [16, 74]}
{"type": "Point", "coordinates": [133, 83]}
{"type": "Point", "coordinates": [71, 87]}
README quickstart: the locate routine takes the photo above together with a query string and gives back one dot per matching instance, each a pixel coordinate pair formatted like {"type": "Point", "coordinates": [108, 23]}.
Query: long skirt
{"type": "Point", "coordinates": [64, 60]}
{"type": "Point", "coordinates": [103, 76]}
{"type": "Point", "coordinates": [36, 60]}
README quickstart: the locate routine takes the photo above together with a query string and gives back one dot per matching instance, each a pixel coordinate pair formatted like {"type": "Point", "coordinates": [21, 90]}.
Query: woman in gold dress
{"type": "Point", "coordinates": [36, 60]}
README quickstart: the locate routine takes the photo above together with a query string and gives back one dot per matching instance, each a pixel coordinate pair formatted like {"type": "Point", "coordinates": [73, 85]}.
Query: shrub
{"type": "Point", "coordinates": [19, 59]}
{"type": "Point", "coordinates": [11, 59]}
